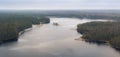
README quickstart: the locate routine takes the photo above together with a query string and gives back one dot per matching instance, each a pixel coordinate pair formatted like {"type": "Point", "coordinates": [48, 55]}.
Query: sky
{"type": "Point", "coordinates": [59, 4]}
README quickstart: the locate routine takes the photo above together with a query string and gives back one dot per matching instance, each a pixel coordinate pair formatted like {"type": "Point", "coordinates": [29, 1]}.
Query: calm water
{"type": "Point", "coordinates": [49, 40]}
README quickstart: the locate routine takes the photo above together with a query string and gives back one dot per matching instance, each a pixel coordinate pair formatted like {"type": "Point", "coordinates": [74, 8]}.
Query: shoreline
{"type": "Point", "coordinates": [101, 32]}
{"type": "Point", "coordinates": [97, 41]}
{"type": "Point", "coordinates": [19, 34]}
{"type": "Point", "coordinates": [15, 39]}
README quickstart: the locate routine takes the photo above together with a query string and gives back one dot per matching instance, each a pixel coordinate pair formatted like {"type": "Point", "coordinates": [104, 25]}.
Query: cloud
{"type": "Point", "coordinates": [59, 4]}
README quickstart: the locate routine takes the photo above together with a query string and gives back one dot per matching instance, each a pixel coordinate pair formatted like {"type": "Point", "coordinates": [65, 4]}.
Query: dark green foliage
{"type": "Point", "coordinates": [101, 31]}
{"type": "Point", "coordinates": [115, 42]}
{"type": "Point", "coordinates": [7, 32]}
{"type": "Point", "coordinates": [11, 25]}
{"type": "Point", "coordinates": [44, 20]}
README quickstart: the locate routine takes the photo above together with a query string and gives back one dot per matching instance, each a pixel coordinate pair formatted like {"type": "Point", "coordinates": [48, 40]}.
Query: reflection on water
{"type": "Point", "coordinates": [55, 41]}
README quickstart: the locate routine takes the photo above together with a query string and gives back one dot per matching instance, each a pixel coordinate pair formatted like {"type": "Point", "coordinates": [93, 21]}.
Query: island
{"type": "Point", "coordinates": [56, 24]}
{"type": "Point", "coordinates": [104, 32]}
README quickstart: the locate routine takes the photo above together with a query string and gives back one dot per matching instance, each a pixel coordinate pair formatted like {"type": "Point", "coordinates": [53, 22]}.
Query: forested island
{"type": "Point", "coordinates": [12, 24]}
{"type": "Point", "coordinates": [105, 32]}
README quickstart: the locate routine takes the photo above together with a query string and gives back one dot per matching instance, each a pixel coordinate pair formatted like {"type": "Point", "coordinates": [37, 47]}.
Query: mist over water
{"type": "Point", "coordinates": [48, 40]}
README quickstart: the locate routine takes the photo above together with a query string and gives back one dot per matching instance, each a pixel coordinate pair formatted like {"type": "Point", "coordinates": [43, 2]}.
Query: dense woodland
{"type": "Point", "coordinates": [101, 32]}
{"type": "Point", "coordinates": [12, 24]}
{"type": "Point", "coordinates": [90, 14]}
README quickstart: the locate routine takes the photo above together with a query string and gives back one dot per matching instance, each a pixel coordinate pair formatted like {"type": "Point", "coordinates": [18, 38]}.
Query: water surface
{"type": "Point", "coordinates": [49, 40]}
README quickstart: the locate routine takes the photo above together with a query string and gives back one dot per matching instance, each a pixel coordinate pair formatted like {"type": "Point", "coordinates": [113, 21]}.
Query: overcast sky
{"type": "Point", "coordinates": [59, 4]}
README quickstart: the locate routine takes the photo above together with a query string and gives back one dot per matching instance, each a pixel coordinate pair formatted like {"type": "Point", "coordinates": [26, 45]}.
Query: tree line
{"type": "Point", "coordinates": [12, 24]}
{"type": "Point", "coordinates": [101, 32]}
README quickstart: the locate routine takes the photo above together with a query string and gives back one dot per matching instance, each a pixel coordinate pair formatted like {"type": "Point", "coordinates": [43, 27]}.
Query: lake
{"type": "Point", "coordinates": [48, 40]}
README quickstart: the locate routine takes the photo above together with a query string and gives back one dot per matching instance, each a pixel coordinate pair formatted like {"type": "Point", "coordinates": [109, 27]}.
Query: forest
{"type": "Point", "coordinates": [89, 14]}
{"type": "Point", "coordinates": [107, 32]}
{"type": "Point", "coordinates": [12, 24]}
